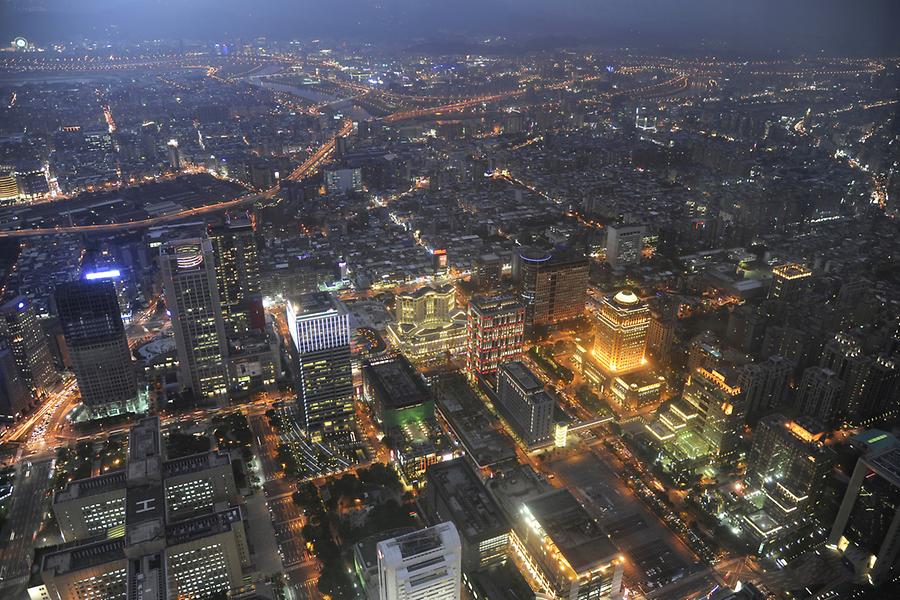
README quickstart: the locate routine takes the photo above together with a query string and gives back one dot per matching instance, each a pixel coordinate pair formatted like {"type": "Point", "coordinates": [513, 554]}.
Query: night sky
{"type": "Point", "coordinates": [843, 26]}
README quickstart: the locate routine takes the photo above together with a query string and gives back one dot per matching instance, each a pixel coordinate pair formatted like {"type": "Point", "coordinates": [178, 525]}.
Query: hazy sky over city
{"type": "Point", "coordinates": [836, 25]}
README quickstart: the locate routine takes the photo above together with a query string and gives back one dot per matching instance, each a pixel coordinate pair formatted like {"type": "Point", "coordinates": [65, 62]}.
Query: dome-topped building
{"type": "Point", "coordinates": [626, 298]}
{"type": "Point", "coordinates": [622, 333]}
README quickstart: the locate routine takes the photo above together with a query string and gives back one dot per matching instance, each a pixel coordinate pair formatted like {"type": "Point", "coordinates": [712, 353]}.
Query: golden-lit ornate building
{"type": "Point", "coordinates": [621, 333]}
{"type": "Point", "coordinates": [428, 323]}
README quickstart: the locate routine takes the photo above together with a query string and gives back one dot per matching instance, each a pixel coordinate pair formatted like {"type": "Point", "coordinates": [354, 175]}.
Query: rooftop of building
{"type": "Point", "coordinates": [426, 290]}
{"type": "Point", "coordinates": [195, 463]}
{"type": "Point", "coordinates": [92, 486]}
{"type": "Point", "coordinates": [203, 526]}
{"type": "Point", "coordinates": [144, 503]}
{"type": "Point", "coordinates": [791, 271]}
{"type": "Point", "coordinates": [418, 542]}
{"type": "Point", "coordinates": [315, 303]}
{"type": "Point", "coordinates": [887, 464]}
{"type": "Point", "coordinates": [466, 415]}
{"type": "Point", "coordinates": [367, 548]}
{"type": "Point", "coordinates": [522, 376]}
{"type": "Point", "coordinates": [762, 523]}
{"type": "Point", "coordinates": [475, 513]}
{"type": "Point", "coordinates": [626, 298]}
{"type": "Point", "coordinates": [805, 429]}
{"type": "Point", "coordinates": [515, 486]}
{"type": "Point", "coordinates": [496, 304]}
{"type": "Point", "coordinates": [874, 440]}
{"type": "Point", "coordinates": [579, 538]}
{"type": "Point", "coordinates": [83, 556]}
{"type": "Point", "coordinates": [396, 382]}
{"type": "Point", "coordinates": [143, 439]}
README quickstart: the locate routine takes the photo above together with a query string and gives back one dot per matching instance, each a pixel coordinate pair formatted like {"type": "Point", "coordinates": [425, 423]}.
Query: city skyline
{"type": "Point", "coordinates": [396, 300]}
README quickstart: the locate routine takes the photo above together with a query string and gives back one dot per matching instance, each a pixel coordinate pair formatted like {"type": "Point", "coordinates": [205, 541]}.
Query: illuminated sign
{"type": "Point", "coordinates": [107, 274]}
{"type": "Point", "coordinates": [188, 257]}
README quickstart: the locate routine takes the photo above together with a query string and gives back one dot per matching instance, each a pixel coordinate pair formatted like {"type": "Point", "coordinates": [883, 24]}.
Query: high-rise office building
{"type": "Point", "coordinates": [486, 271]}
{"type": "Point", "coordinates": [155, 530]}
{"type": "Point", "coordinates": [790, 462]}
{"type": "Point", "coordinates": [765, 385]}
{"type": "Point", "coordinates": [237, 275]}
{"type": "Point", "coordinates": [880, 399]}
{"type": "Point", "coordinates": [495, 334]}
{"type": "Point", "coordinates": [624, 244]}
{"type": "Point", "coordinates": [551, 285]}
{"type": "Point", "coordinates": [717, 405]}
{"type": "Point", "coordinates": [20, 327]}
{"type": "Point", "coordinates": [423, 565]}
{"type": "Point", "coordinates": [320, 329]}
{"type": "Point", "coordinates": [525, 404]}
{"type": "Point", "coordinates": [343, 180]}
{"type": "Point", "coordinates": [104, 266]}
{"type": "Point", "coordinates": [820, 395]}
{"type": "Point", "coordinates": [866, 531]}
{"type": "Point", "coordinates": [192, 295]}
{"type": "Point", "coordinates": [622, 333]}
{"type": "Point", "coordinates": [660, 337]}
{"type": "Point", "coordinates": [568, 551]}
{"type": "Point", "coordinates": [789, 281]}
{"type": "Point", "coordinates": [97, 346]}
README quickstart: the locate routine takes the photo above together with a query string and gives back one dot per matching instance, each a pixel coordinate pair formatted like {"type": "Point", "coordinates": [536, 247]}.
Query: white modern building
{"type": "Point", "coordinates": [320, 329]}
{"type": "Point", "coordinates": [423, 565]}
{"type": "Point", "coordinates": [624, 244]}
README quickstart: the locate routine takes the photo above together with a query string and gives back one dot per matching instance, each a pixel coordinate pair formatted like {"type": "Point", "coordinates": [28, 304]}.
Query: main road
{"type": "Point", "coordinates": [31, 492]}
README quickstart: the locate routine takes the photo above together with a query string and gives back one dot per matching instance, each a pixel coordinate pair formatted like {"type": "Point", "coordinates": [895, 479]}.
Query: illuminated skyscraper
{"type": "Point", "coordinates": [790, 462]}
{"type": "Point", "coordinates": [9, 187]}
{"type": "Point", "coordinates": [95, 337]}
{"type": "Point", "coordinates": [320, 329]}
{"type": "Point", "coordinates": [487, 270]}
{"type": "Point", "coordinates": [20, 327]}
{"type": "Point", "coordinates": [421, 565]}
{"type": "Point", "coordinates": [495, 331]}
{"type": "Point", "coordinates": [237, 274]}
{"type": "Point", "coordinates": [788, 282]}
{"type": "Point", "coordinates": [622, 333]}
{"type": "Point", "coordinates": [718, 407]}
{"type": "Point", "coordinates": [192, 296]}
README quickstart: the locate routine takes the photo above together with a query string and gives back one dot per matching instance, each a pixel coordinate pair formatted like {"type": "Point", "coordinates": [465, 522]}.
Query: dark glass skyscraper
{"type": "Point", "coordinates": [551, 286]}
{"type": "Point", "coordinates": [95, 336]}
